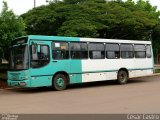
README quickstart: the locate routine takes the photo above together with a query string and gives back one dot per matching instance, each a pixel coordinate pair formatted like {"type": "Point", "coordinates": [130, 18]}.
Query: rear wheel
{"type": "Point", "coordinates": [59, 82]}
{"type": "Point", "coordinates": [122, 77]}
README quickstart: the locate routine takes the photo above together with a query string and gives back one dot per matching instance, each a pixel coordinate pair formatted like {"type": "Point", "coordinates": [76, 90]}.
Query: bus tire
{"type": "Point", "coordinates": [122, 77]}
{"type": "Point", "coordinates": [59, 82]}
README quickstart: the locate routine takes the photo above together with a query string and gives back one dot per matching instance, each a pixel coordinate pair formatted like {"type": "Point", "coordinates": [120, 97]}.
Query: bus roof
{"type": "Point", "coordinates": [62, 38]}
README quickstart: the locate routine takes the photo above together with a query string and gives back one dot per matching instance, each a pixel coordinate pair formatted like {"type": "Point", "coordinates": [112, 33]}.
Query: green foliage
{"type": "Point", "coordinates": [96, 18]}
{"type": "Point", "coordinates": [40, 20]}
{"type": "Point", "coordinates": [1, 54]}
{"type": "Point", "coordinates": [11, 26]}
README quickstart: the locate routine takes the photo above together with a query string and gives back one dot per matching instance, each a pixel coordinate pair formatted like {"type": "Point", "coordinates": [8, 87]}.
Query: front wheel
{"type": "Point", "coordinates": [122, 77]}
{"type": "Point", "coordinates": [59, 82]}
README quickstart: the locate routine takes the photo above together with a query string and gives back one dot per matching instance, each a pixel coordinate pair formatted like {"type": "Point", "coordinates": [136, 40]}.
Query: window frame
{"type": "Point", "coordinates": [96, 50]}
{"type": "Point", "coordinates": [139, 51]}
{"type": "Point", "coordinates": [127, 51]}
{"type": "Point", "coordinates": [150, 51]}
{"type": "Point", "coordinates": [60, 50]}
{"type": "Point", "coordinates": [70, 56]}
{"type": "Point", "coordinates": [113, 51]}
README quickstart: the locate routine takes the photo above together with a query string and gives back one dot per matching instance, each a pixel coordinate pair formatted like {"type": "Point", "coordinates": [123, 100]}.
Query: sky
{"type": "Point", "coordinates": [21, 6]}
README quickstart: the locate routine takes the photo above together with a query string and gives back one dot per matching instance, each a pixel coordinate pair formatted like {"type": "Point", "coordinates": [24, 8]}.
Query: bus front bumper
{"type": "Point", "coordinates": [23, 84]}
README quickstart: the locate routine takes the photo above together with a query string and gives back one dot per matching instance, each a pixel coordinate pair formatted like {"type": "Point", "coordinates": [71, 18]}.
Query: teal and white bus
{"type": "Point", "coordinates": [55, 61]}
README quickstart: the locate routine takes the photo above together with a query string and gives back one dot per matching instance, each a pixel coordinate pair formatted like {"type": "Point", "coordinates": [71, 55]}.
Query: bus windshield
{"type": "Point", "coordinates": [19, 58]}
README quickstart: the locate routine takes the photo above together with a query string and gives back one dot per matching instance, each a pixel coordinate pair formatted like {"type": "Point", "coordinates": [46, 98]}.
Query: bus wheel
{"type": "Point", "coordinates": [59, 82]}
{"type": "Point", "coordinates": [122, 77]}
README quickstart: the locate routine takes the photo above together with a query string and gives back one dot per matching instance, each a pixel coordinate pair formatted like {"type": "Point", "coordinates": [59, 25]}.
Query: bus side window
{"type": "Point", "coordinates": [140, 51]}
{"type": "Point", "coordinates": [148, 51]}
{"type": "Point", "coordinates": [60, 50]}
{"type": "Point", "coordinates": [78, 50]}
{"type": "Point", "coordinates": [96, 51]}
{"type": "Point", "coordinates": [127, 51]}
{"type": "Point", "coordinates": [112, 51]}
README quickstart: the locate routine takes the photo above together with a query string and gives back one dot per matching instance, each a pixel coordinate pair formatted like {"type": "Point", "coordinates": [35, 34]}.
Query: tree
{"type": "Point", "coordinates": [65, 18]}
{"type": "Point", "coordinates": [41, 21]}
{"type": "Point", "coordinates": [11, 26]}
{"type": "Point", "coordinates": [96, 18]}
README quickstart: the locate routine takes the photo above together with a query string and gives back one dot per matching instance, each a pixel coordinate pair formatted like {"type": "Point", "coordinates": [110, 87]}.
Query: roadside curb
{"type": "Point", "coordinates": [155, 74]}
{"type": "Point", "coordinates": [7, 88]}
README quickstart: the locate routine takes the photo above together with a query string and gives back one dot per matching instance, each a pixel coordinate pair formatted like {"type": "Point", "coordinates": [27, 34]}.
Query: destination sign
{"type": "Point", "coordinates": [19, 41]}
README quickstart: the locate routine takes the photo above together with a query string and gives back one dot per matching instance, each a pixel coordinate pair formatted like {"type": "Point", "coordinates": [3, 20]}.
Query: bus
{"type": "Point", "coordinates": [56, 61]}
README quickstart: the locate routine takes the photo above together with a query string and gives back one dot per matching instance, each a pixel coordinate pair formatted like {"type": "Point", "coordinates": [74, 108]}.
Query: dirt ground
{"type": "Point", "coordinates": [140, 95]}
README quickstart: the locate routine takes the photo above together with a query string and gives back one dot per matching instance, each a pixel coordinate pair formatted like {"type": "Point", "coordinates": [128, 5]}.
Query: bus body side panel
{"type": "Point", "coordinates": [107, 69]}
{"type": "Point", "coordinates": [97, 70]}
{"type": "Point", "coordinates": [143, 67]}
{"type": "Point", "coordinates": [43, 76]}
{"type": "Point", "coordinates": [75, 71]}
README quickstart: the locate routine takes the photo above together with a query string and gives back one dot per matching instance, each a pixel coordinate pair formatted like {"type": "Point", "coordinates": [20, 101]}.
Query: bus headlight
{"type": "Point", "coordinates": [22, 83]}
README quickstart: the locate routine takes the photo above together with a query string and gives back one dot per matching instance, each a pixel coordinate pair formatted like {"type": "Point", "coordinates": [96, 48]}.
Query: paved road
{"type": "Point", "coordinates": [140, 95]}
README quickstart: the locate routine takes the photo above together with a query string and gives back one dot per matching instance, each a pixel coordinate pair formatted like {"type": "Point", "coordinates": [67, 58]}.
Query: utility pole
{"type": "Point", "coordinates": [34, 3]}
{"type": "Point", "coordinates": [47, 1]}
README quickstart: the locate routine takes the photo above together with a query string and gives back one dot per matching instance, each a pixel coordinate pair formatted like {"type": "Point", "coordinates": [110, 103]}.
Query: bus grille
{"type": "Point", "coordinates": [15, 76]}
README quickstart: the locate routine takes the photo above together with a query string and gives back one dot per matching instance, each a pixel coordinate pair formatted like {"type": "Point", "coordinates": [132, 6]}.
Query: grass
{"type": "Point", "coordinates": [3, 76]}
{"type": "Point", "coordinates": [3, 66]}
{"type": "Point", "coordinates": [3, 71]}
{"type": "Point", "coordinates": [157, 70]}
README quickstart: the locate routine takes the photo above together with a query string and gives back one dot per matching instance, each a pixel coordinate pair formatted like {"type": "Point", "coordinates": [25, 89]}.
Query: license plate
{"type": "Point", "coordinates": [15, 84]}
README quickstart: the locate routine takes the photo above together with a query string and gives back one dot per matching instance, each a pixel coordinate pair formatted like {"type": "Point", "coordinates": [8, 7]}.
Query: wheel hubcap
{"type": "Point", "coordinates": [122, 77]}
{"type": "Point", "coordinates": [60, 82]}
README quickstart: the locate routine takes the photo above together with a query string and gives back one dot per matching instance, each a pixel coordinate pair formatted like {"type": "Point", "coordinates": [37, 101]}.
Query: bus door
{"type": "Point", "coordinates": [41, 69]}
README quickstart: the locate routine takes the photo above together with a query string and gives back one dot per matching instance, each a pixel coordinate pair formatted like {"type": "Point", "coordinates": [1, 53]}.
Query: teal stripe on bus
{"type": "Point", "coordinates": [52, 38]}
{"type": "Point", "coordinates": [99, 71]}
{"type": "Point", "coordinates": [95, 72]}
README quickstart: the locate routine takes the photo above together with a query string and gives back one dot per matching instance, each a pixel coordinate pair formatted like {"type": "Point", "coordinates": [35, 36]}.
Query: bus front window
{"type": "Point", "coordinates": [19, 58]}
